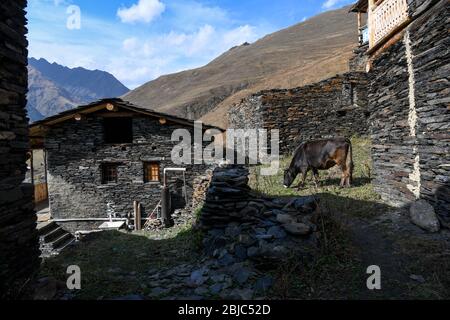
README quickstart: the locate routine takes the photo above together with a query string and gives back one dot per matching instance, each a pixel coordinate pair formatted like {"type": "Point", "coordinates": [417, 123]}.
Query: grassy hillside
{"type": "Point", "coordinates": [307, 52]}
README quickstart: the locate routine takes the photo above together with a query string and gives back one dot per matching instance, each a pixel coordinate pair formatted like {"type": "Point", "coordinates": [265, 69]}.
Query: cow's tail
{"type": "Point", "coordinates": [349, 160]}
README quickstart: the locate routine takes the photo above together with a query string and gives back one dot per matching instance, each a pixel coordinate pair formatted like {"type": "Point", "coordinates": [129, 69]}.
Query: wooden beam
{"type": "Point", "coordinates": [111, 107]}
{"type": "Point", "coordinates": [38, 131]}
{"type": "Point", "coordinates": [70, 116]}
{"type": "Point", "coordinates": [79, 117]}
{"type": "Point", "coordinates": [116, 114]}
{"type": "Point", "coordinates": [359, 22]}
{"type": "Point", "coordinates": [32, 167]}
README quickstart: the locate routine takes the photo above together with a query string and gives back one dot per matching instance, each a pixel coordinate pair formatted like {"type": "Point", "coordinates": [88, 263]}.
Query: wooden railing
{"type": "Point", "coordinates": [385, 18]}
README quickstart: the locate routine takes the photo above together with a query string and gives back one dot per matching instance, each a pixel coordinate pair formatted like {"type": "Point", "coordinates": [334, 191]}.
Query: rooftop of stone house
{"type": "Point", "coordinates": [38, 128]}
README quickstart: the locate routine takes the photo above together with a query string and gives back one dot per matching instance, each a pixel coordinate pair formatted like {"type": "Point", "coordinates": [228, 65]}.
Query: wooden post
{"type": "Point", "coordinates": [137, 215]}
{"type": "Point", "coordinates": [359, 20]}
{"type": "Point", "coordinates": [45, 172]}
{"type": "Point", "coordinates": [165, 206]}
{"type": "Point", "coordinates": [32, 166]}
{"type": "Point", "coordinates": [360, 34]}
{"type": "Point", "coordinates": [371, 25]}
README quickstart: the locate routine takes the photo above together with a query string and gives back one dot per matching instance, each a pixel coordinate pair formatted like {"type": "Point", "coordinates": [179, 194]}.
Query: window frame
{"type": "Point", "coordinates": [106, 174]}
{"type": "Point", "coordinates": [148, 171]}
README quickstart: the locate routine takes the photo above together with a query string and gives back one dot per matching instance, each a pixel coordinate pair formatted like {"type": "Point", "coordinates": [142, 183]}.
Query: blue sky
{"type": "Point", "coordinates": [140, 40]}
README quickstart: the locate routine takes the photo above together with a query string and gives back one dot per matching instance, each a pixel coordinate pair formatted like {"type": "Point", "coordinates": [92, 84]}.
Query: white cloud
{"type": "Point", "coordinates": [206, 43]}
{"type": "Point", "coordinates": [134, 54]}
{"type": "Point", "coordinates": [144, 11]}
{"type": "Point", "coordinates": [143, 60]}
{"type": "Point", "coordinates": [239, 36]}
{"type": "Point", "coordinates": [330, 3]}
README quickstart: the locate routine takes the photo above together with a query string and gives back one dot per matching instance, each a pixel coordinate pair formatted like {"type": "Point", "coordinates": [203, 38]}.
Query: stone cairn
{"type": "Point", "coordinates": [242, 225]}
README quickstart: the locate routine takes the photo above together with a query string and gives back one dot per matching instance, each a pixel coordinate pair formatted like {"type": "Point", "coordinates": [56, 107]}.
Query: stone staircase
{"type": "Point", "coordinates": [53, 238]}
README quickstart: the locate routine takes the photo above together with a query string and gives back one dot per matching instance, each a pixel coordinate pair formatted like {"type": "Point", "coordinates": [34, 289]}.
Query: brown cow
{"type": "Point", "coordinates": [321, 155]}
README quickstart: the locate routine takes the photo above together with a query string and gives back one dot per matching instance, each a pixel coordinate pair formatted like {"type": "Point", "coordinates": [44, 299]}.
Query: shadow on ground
{"type": "Point", "coordinates": [115, 264]}
{"type": "Point", "coordinates": [356, 234]}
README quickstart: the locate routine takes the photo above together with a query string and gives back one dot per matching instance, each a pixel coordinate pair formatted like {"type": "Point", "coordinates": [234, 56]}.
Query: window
{"type": "Point", "coordinates": [341, 113]}
{"type": "Point", "coordinates": [118, 130]}
{"type": "Point", "coordinates": [151, 172]}
{"type": "Point", "coordinates": [109, 173]}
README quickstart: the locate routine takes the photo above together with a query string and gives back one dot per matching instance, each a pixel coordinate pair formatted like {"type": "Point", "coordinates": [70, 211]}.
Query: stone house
{"type": "Point", "coordinates": [104, 156]}
{"type": "Point", "coordinates": [407, 56]}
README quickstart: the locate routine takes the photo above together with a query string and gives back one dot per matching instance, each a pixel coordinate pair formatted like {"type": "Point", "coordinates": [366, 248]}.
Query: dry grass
{"type": "Point", "coordinates": [333, 273]}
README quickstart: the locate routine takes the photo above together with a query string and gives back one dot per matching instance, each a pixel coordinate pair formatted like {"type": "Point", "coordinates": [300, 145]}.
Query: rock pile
{"type": "Point", "coordinates": [228, 198]}
{"type": "Point", "coordinates": [250, 233]}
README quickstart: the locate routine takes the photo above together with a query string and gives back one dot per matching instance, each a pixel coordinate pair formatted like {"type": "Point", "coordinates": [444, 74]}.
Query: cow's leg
{"type": "Point", "coordinates": [344, 177]}
{"type": "Point", "coordinates": [345, 180]}
{"type": "Point", "coordinates": [303, 179]}
{"type": "Point", "coordinates": [348, 174]}
{"type": "Point", "coordinates": [316, 177]}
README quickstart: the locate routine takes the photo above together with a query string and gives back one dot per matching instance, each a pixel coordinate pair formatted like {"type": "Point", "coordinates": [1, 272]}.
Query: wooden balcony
{"type": "Point", "coordinates": [386, 17]}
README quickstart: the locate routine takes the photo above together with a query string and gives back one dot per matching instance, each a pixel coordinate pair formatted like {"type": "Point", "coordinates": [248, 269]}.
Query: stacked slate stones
{"type": "Point", "coordinates": [403, 159]}
{"type": "Point", "coordinates": [200, 186]}
{"type": "Point", "coordinates": [228, 198]}
{"type": "Point", "coordinates": [242, 225]}
{"type": "Point", "coordinates": [19, 246]}
{"type": "Point", "coordinates": [333, 107]}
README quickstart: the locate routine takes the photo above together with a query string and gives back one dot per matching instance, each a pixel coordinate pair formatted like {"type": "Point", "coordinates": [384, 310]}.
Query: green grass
{"type": "Point", "coordinates": [359, 200]}
{"type": "Point", "coordinates": [117, 263]}
{"type": "Point", "coordinates": [333, 272]}
{"type": "Point", "coordinates": [430, 258]}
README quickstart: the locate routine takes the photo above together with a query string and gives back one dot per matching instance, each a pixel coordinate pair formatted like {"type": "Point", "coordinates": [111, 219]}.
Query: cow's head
{"type": "Point", "coordinates": [289, 178]}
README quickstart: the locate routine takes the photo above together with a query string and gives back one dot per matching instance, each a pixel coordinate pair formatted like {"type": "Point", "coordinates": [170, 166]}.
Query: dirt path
{"type": "Point", "coordinates": [389, 242]}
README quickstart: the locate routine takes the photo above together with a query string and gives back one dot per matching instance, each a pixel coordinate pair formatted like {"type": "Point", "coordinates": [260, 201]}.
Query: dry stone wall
{"type": "Point", "coordinates": [242, 225]}
{"type": "Point", "coordinates": [409, 103]}
{"type": "Point", "coordinates": [19, 248]}
{"type": "Point", "coordinates": [359, 60]}
{"type": "Point", "coordinates": [334, 107]}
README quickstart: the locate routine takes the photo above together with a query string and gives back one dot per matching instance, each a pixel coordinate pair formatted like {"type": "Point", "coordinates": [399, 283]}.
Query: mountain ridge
{"type": "Point", "coordinates": [303, 53]}
{"type": "Point", "coordinates": [53, 88]}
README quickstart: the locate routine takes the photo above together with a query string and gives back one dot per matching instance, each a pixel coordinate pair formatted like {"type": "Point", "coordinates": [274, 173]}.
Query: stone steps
{"type": "Point", "coordinates": [53, 238]}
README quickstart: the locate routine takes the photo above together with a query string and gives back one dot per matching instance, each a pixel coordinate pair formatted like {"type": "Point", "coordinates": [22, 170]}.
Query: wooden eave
{"type": "Point", "coordinates": [361, 6]}
{"type": "Point", "coordinates": [40, 128]}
